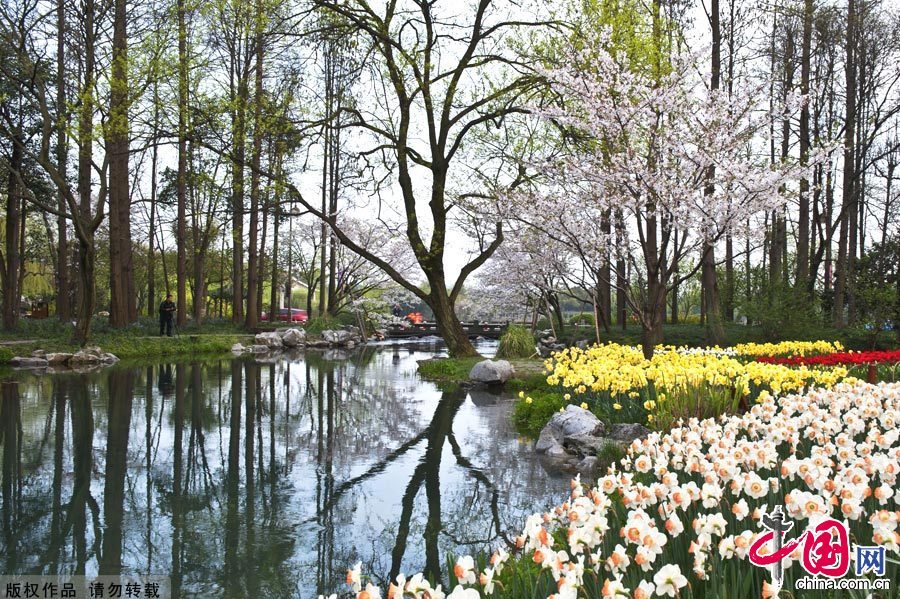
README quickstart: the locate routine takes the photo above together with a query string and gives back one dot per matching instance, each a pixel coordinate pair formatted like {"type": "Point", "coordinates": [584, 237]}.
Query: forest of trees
{"type": "Point", "coordinates": [477, 152]}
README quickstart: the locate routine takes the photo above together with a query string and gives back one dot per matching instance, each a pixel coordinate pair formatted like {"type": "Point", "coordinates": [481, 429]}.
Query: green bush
{"type": "Point", "coordinates": [6, 355]}
{"type": "Point", "coordinates": [583, 318]}
{"type": "Point", "coordinates": [516, 342]}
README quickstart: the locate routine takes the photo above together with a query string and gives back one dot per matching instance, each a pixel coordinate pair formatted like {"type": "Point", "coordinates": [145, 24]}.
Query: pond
{"type": "Point", "coordinates": [263, 477]}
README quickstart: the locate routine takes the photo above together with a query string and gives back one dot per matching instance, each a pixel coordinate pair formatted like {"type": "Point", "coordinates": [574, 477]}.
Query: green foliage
{"type": "Point", "coordinates": [6, 355]}
{"type": "Point", "coordinates": [316, 325]}
{"type": "Point", "coordinates": [516, 342]}
{"type": "Point", "coordinates": [531, 416]}
{"type": "Point", "coordinates": [447, 369]}
{"type": "Point", "coordinates": [583, 318]}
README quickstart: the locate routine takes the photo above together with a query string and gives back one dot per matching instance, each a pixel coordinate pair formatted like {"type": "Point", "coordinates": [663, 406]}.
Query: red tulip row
{"type": "Point", "coordinates": [837, 359]}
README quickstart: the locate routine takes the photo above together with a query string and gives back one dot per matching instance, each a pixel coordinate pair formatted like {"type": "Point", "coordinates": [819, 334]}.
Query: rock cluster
{"type": "Point", "coordinates": [88, 356]}
{"type": "Point", "coordinates": [492, 372]}
{"type": "Point", "coordinates": [294, 338]}
{"type": "Point", "coordinates": [574, 438]}
{"type": "Point", "coordinates": [548, 344]}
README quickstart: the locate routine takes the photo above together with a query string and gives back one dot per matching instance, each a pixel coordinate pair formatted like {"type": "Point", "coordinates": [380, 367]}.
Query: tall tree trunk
{"type": "Point", "coordinates": [180, 232]}
{"type": "Point", "coordinates": [604, 289]}
{"type": "Point", "coordinates": [848, 206]}
{"type": "Point", "coordinates": [11, 291]}
{"type": "Point", "coordinates": [152, 300]}
{"type": "Point", "coordinates": [63, 304]}
{"type": "Point", "coordinates": [86, 257]}
{"type": "Point", "coordinates": [802, 269]}
{"type": "Point", "coordinates": [253, 249]}
{"type": "Point", "coordinates": [237, 201]}
{"type": "Point", "coordinates": [715, 332]}
{"type": "Point", "coordinates": [123, 306]}
{"type": "Point", "coordinates": [621, 279]}
{"type": "Point", "coordinates": [273, 292]}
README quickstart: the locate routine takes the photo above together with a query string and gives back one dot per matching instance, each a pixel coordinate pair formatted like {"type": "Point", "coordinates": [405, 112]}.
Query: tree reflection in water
{"type": "Point", "coordinates": [248, 477]}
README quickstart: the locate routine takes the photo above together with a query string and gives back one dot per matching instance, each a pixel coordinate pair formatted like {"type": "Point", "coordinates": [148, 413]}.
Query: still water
{"type": "Point", "coordinates": [250, 477]}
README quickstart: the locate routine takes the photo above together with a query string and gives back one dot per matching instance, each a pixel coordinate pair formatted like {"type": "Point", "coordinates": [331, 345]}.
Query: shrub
{"type": "Point", "coordinates": [583, 318]}
{"type": "Point", "coordinates": [6, 355]}
{"type": "Point", "coordinates": [516, 342]}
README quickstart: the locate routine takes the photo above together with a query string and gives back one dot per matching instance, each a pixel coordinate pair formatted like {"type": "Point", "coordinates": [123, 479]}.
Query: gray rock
{"type": "Point", "coordinates": [108, 358]}
{"type": "Point", "coordinates": [585, 445]}
{"type": "Point", "coordinates": [588, 465]}
{"type": "Point", "coordinates": [56, 359]}
{"type": "Point", "coordinates": [492, 371]}
{"type": "Point", "coordinates": [271, 340]}
{"type": "Point", "coordinates": [581, 344]}
{"type": "Point", "coordinates": [237, 348]}
{"type": "Point", "coordinates": [337, 337]}
{"type": "Point", "coordinates": [293, 337]}
{"type": "Point", "coordinates": [573, 422]}
{"type": "Point", "coordinates": [350, 344]}
{"type": "Point", "coordinates": [28, 362]}
{"type": "Point", "coordinates": [547, 443]}
{"type": "Point", "coordinates": [260, 349]}
{"type": "Point", "coordinates": [38, 353]}
{"type": "Point", "coordinates": [549, 340]}
{"type": "Point", "coordinates": [626, 433]}
{"type": "Point", "coordinates": [84, 356]}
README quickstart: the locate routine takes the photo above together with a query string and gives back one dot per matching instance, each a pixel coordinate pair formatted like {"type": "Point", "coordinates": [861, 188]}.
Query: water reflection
{"type": "Point", "coordinates": [257, 478]}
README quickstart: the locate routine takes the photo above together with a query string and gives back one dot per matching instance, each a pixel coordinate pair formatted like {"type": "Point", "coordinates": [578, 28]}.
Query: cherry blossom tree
{"type": "Point", "coordinates": [646, 143]}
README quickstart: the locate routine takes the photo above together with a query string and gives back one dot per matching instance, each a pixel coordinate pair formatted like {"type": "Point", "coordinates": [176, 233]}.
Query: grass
{"type": "Point", "coordinates": [140, 340]}
{"type": "Point", "coordinates": [516, 342]}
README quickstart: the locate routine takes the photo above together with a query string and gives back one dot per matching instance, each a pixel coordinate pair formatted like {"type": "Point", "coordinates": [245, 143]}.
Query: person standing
{"type": "Point", "coordinates": [166, 316]}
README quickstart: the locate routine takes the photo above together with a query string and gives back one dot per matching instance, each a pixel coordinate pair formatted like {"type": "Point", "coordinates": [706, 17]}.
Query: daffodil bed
{"type": "Point", "coordinates": [618, 384]}
{"type": "Point", "coordinates": [679, 515]}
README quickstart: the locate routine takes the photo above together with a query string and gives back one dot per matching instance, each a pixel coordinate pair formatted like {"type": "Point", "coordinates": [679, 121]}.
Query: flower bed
{"type": "Point", "coordinates": [684, 511]}
{"type": "Point", "coordinates": [836, 359]}
{"type": "Point", "coordinates": [619, 384]}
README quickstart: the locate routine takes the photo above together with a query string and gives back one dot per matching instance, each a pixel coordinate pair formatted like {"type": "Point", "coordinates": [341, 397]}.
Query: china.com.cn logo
{"type": "Point", "coordinates": [825, 552]}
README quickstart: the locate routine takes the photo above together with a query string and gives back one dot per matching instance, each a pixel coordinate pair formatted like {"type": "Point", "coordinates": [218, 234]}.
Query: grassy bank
{"type": "Point", "coordinates": [140, 340]}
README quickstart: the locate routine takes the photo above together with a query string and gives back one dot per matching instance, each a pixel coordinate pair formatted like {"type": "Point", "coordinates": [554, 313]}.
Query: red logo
{"type": "Point", "coordinates": [826, 547]}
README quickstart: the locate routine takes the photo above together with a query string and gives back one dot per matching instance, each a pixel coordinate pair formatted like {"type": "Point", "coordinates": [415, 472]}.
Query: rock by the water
{"type": "Point", "coordinates": [626, 433]}
{"type": "Point", "coordinates": [38, 353]}
{"type": "Point", "coordinates": [28, 362]}
{"type": "Point", "coordinates": [337, 337]}
{"type": "Point", "coordinates": [57, 359]}
{"type": "Point", "coordinates": [271, 340]}
{"type": "Point", "coordinates": [86, 356]}
{"type": "Point", "coordinates": [492, 371]}
{"type": "Point", "coordinates": [574, 421]}
{"type": "Point", "coordinates": [588, 465]}
{"type": "Point", "coordinates": [260, 349]}
{"type": "Point", "coordinates": [293, 337]}
{"type": "Point", "coordinates": [237, 348]}
{"type": "Point", "coordinates": [585, 445]}
{"type": "Point", "coordinates": [350, 344]}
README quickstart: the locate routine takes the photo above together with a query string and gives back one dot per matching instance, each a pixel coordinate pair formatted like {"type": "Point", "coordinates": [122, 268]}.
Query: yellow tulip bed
{"type": "Point", "coordinates": [619, 384]}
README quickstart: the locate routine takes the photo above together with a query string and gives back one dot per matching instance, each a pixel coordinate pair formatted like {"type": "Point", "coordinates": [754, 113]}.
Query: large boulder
{"type": "Point", "coordinates": [573, 421]}
{"type": "Point", "coordinates": [293, 337]}
{"type": "Point", "coordinates": [58, 358]}
{"type": "Point", "coordinates": [625, 434]}
{"type": "Point", "coordinates": [339, 337]}
{"type": "Point", "coordinates": [492, 372]}
{"type": "Point", "coordinates": [260, 349]}
{"type": "Point", "coordinates": [28, 362]}
{"type": "Point", "coordinates": [87, 355]}
{"type": "Point", "coordinates": [271, 340]}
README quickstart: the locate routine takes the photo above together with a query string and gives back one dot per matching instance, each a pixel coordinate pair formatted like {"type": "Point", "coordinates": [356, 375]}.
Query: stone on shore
{"type": "Point", "coordinates": [58, 358]}
{"type": "Point", "coordinates": [492, 372]}
{"type": "Point", "coordinates": [28, 362]}
{"type": "Point", "coordinates": [293, 337]}
{"type": "Point", "coordinates": [271, 340]}
{"type": "Point", "coordinates": [573, 422]}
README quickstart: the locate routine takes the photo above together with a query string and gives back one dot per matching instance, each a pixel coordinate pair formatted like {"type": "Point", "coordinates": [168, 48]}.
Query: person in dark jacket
{"type": "Point", "coordinates": [166, 316]}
